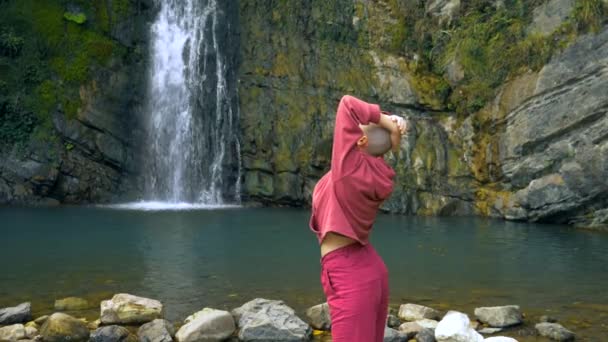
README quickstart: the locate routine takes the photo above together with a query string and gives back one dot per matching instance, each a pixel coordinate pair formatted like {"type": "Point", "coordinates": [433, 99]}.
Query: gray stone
{"type": "Point", "coordinates": [410, 329]}
{"type": "Point", "coordinates": [414, 312]}
{"type": "Point", "coordinates": [16, 314]}
{"type": "Point", "coordinates": [392, 335]}
{"type": "Point", "coordinates": [13, 332]}
{"type": "Point", "coordinates": [60, 327]}
{"type": "Point", "coordinates": [393, 321]}
{"type": "Point", "coordinates": [206, 325]}
{"type": "Point", "coordinates": [71, 303]}
{"type": "Point", "coordinates": [395, 87]}
{"type": "Point", "coordinates": [499, 316]}
{"type": "Point", "coordinates": [125, 308]}
{"type": "Point", "coordinates": [427, 323]}
{"type": "Point", "coordinates": [426, 335]}
{"type": "Point", "coordinates": [550, 15]}
{"type": "Point", "coordinates": [489, 331]}
{"type": "Point", "coordinates": [269, 320]}
{"type": "Point", "coordinates": [112, 333]}
{"type": "Point", "coordinates": [319, 317]}
{"type": "Point", "coordinates": [554, 331]}
{"type": "Point", "coordinates": [158, 330]}
{"type": "Point", "coordinates": [445, 9]}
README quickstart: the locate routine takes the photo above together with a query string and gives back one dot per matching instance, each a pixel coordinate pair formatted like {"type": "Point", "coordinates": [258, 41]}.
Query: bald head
{"type": "Point", "coordinates": [378, 139]}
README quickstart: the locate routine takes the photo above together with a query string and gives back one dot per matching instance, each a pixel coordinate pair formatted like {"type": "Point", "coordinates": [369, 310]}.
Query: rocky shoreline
{"type": "Point", "coordinates": [127, 317]}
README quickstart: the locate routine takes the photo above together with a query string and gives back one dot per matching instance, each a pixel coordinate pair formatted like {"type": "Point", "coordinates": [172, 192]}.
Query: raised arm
{"type": "Point", "coordinates": [351, 112]}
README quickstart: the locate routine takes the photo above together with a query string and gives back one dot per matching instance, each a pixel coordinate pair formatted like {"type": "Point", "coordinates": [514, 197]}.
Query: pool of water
{"type": "Point", "coordinates": [223, 257]}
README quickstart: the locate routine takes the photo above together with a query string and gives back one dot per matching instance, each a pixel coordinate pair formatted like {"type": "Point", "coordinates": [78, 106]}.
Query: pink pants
{"type": "Point", "coordinates": [355, 282]}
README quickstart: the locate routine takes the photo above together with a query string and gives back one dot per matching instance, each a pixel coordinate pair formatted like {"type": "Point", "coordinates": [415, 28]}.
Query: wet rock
{"type": "Point", "coordinates": [427, 323]}
{"type": "Point", "coordinates": [31, 332]}
{"type": "Point", "coordinates": [454, 327]}
{"type": "Point", "coordinates": [71, 303]}
{"type": "Point", "coordinates": [393, 335]}
{"type": "Point", "coordinates": [112, 333]}
{"type": "Point", "coordinates": [60, 327]}
{"type": "Point", "coordinates": [94, 325]}
{"type": "Point", "coordinates": [499, 316]}
{"type": "Point", "coordinates": [426, 335]}
{"type": "Point", "coordinates": [266, 319]}
{"type": "Point", "coordinates": [206, 325]}
{"type": "Point", "coordinates": [13, 332]}
{"type": "Point", "coordinates": [40, 320]}
{"type": "Point", "coordinates": [414, 312]}
{"type": "Point", "coordinates": [158, 330]}
{"type": "Point", "coordinates": [488, 330]}
{"type": "Point", "coordinates": [547, 319]}
{"type": "Point", "coordinates": [125, 308]}
{"type": "Point", "coordinates": [410, 329]}
{"type": "Point", "coordinates": [393, 321]}
{"type": "Point", "coordinates": [554, 331]}
{"type": "Point", "coordinates": [16, 314]}
{"type": "Point", "coordinates": [319, 317]}
{"type": "Point", "coordinates": [500, 339]}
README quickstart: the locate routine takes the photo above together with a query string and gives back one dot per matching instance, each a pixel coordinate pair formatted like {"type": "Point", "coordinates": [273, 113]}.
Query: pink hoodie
{"type": "Point", "coordinates": [346, 199]}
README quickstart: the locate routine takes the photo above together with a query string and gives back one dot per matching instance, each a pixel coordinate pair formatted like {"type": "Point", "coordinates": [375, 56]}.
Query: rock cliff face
{"type": "Point", "coordinates": [82, 89]}
{"type": "Point", "coordinates": [536, 152]}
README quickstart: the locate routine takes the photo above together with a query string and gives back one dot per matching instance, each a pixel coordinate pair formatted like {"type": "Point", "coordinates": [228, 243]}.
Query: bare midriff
{"type": "Point", "coordinates": [333, 241]}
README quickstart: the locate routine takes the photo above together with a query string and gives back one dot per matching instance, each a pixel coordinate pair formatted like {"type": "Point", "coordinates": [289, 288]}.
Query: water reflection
{"type": "Point", "coordinates": [223, 258]}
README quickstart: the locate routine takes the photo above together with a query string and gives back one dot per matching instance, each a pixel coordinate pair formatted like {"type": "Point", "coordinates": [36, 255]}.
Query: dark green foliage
{"type": "Point", "coordinates": [10, 44]}
{"type": "Point", "coordinates": [15, 123]}
{"type": "Point", "coordinates": [590, 14]}
{"type": "Point", "coordinates": [48, 50]}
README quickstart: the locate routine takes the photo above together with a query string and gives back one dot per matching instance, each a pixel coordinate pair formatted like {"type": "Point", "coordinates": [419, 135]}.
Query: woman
{"type": "Point", "coordinates": [344, 207]}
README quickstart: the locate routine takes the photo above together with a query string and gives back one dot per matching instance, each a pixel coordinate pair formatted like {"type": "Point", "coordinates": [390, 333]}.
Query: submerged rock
{"type": "Point", "coordinates": [269, 320]}
{"type": "Point", "coordinates": [12, 332]}
{"type": "Point", "coordinates": [71, 303]}
{"type": "Point", "coordinates": [206, 325]}
{"type": "Point", "coordinates": [554, 331]}
{"type": "Point", "coordinates": [499, 316]}
{"type": "Point", "coordinates": [60, 327]}
{"type": "Point", "coordinates": [415, 312]}
{"type": "Point", "coordinates": [319, 317]}
{"type": "Point", "coordinates": [16, 314]}
{"type": "Point", "coordinates": [454, 327]}
{"type": "Point", "coordinates": [112, 333]}
{"type": "Point", "coordinates": [125, 308]}
{"type": "Point", "coordinates": [158, 330]}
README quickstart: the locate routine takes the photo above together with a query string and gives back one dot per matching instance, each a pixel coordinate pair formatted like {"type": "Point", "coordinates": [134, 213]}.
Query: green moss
{"type": "Point", "coordinates": [55, 52]}
{"type": "Point", "coordinates": [78, 18]}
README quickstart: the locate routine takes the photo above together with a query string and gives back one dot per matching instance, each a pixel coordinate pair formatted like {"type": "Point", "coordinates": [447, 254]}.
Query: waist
{"type": "Point", "coordinates": [342, 250]}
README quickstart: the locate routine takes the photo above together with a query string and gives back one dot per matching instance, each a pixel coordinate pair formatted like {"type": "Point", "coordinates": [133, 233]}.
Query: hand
{"type": "Point", "coordinates": [400, 122]}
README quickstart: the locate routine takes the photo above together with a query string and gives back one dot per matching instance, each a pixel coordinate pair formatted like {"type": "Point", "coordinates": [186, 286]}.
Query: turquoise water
{"type": "Point", "coordinates": [225, 257]}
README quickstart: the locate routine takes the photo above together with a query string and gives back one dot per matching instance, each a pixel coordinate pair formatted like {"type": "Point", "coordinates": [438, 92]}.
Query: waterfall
{"type": "Point", "coordinates": [193, 148]}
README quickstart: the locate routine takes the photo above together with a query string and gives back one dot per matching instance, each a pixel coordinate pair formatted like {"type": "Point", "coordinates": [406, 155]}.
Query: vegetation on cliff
{"type": "Point", "coordinates": [48, 50]}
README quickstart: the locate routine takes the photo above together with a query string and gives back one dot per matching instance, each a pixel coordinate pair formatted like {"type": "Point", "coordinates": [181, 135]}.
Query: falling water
{"type": "Point", "coordinates": [192, 103]}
